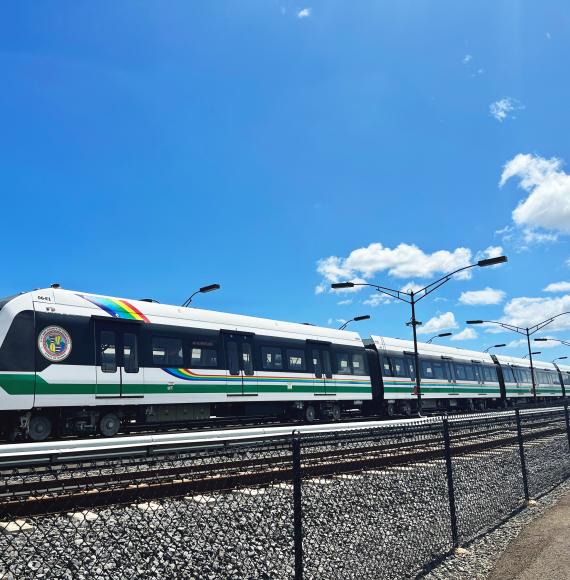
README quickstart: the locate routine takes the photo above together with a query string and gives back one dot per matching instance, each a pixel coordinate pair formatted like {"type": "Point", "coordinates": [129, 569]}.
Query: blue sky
{"type": "Point", "coordinates": [277, 146]}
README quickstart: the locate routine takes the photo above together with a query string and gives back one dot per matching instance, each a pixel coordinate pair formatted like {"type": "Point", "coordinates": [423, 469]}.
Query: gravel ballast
{"type": "Point", "coordinates": [390, 523]}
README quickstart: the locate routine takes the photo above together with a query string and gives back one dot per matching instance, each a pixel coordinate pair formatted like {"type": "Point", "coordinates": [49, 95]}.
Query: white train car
{"type": "Point", "coordinates": [517, 379]}
{"type": "Point", "coordinates": [449, 377]}
{"type": "Point", "coordinates": [75, 362]}
{"type": "Point", "coordinates": [516, 376]}
{"type": "Point", "coordinates": [547, 379]}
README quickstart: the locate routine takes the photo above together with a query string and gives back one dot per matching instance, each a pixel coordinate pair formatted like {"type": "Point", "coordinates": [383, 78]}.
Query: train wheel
{"type": "Point", "coordinates": [310, 413]}
{"type": "Point", "coordinates": [39, 428]}
{"type": "Point", "coordinates": [109, 425]}
{"type": "Point", "coordinates": [335, 412]}
{"type": "Point", "coordinates": [391, 409]}
{"type": "Point", "coordinates": [406, 408]}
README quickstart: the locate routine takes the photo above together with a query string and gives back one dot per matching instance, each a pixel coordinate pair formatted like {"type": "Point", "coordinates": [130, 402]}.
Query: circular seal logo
{"type": "Point", "coordinates": [54, 343]}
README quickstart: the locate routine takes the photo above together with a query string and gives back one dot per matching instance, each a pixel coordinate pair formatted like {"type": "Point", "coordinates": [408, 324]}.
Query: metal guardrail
{"type": "Point", "coordinates": [139, 445]}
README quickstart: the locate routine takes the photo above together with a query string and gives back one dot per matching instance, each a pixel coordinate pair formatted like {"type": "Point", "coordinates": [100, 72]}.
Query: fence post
{"type": "Point", "coordinates": [521, 453]}
{"type": "Point", "coordinates": [450, 486]}
{"type": "Point", "coordinates": [567, 422]}
{"type": "Point", "coordinates": [297, 507]}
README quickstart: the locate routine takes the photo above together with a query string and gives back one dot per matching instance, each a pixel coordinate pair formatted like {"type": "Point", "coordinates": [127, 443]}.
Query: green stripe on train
{"type": "Point", "coordinates": [24, 385]}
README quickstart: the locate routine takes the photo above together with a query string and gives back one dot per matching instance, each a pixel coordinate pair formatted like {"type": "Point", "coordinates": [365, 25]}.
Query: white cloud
{"type": "Point", "coordinates": [320, 288]}
{"type": "Point", "coordinates": [503, 108]}
{"type": "Point", "coordinates": [403, 261]}
{"type": "Point", "coordinates": [377, 299]}
{"type": "Point", "coordinates": [465, 334]}
{"type": "Point", "coordinates": [330, 321]}
{"type": "Point", "coordinates": [548, 203]}
{"type": "Point", "coordinates": [526, 312]}
{"type": "Point", "coordinates": [536, 346]}
{"type": "Point", "coordinates": [466, 59]}
{"type": "Point", "coordinates": [486, 296]}
{"type": "Point", "coordinates": [533, 237]}
{"type": "Point", "coordinates": [557, 287]}
{"type": "Point", "coordinates": [567, 262]}
{"type": "Point", "coordinates": [344, 302]}
{"type": "Point", "coordinates": [304, 13]}
{"type": "Point", "coordinates": [445, 321]}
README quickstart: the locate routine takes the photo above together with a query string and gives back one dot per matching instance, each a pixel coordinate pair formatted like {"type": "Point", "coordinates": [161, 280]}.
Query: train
{"type": "Point", "coordinates": [77, 363]}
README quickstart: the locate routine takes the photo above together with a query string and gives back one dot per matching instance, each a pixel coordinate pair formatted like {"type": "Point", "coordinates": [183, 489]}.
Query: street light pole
{"type": "Point", "coordinates": [412, 299]}
{"type": "Point", "coordinates": [528, 331]}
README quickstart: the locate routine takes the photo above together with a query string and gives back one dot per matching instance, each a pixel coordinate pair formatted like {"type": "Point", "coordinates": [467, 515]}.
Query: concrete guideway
{"type": "Point", "coordinates": [541, 551]}
{"type": "Point", "coordinates": [130, 445]}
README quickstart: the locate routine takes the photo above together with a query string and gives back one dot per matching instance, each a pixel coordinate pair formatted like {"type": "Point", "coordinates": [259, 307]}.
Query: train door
{"type": "Point", "coordinates": [322, 370]}
{"type": "Point", "coordinates": [241, 379]}
{"type": "Point", "coordinates": [118, 372]}
{"type": "Point", "coordinates": [450, 375]}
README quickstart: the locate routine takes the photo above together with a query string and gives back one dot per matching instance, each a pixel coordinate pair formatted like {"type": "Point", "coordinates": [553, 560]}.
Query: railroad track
{"type": "Point", "coordinates": [81, 486]}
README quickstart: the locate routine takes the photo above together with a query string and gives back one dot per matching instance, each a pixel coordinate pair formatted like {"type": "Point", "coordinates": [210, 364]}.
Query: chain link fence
{"type": "Point", "coordinates": [388, 502]}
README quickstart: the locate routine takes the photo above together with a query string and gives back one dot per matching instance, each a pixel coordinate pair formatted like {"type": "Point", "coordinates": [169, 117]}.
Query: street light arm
{"type": "Point", "coordinates": [504, 325]}
{"type": "Point", "coordinates": [441, 281]}
{"type": "Point", "coordinates": [428, 289]}
{"type": "Point", "coordinates": [397, 294]}
{"type": "Point", "coordinates": [544, 323]}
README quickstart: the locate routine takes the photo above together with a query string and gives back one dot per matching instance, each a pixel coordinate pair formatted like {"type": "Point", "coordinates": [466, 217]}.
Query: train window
{"type": "Point", "coordinates": [343, 363]}
{"type": "Point", "coordinates": [327, 364]}
{"type": "Point", "coordinates": [460, 372]}
{"type": "Point", "coordinates": [566, 378]}
{"type": "Point", "coordinates": [317, 366]}
{"type": "Point", "coordinates": [130, 353]}
{"type": "Point", "coordinates": [398, 367]}
{"type": "Point", "coordinates": [427, 369]}
{"type": "Point", "coordinates": [478, 373]}
{"type": "Point", "coordinates": [108, 351]}
{"type": "Point", "coordinates": [247, 358]}
{"type": "Point", "coordinates": [203, 354]}
{"type": "Point", "coordinates": [358, 367]}
{"type": "Point", "coordinates": [167, 351]}
{"type": "Point", "coordinates": [509, 374]}
{"type": "Point", "coordinates": [411, 367]}
{"type": "Point", "coordinates": [386, 369]}
{"type": "Point", "coordinates": [465, 372]}
{"type": "Point", "coordinates": [439, 371]}
{"type": "Point", "coordinates": [295, 359]}
{"type": "Point", "coordinates": [522, 375]}
{"type": "Point", "coordinates": [490, 374]}
{"type": "Point", "coordinates": [271, 358]}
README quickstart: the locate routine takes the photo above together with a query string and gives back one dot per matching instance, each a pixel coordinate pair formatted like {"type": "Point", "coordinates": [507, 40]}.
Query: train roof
{"type": "Point", "coordinates": [524, 362]}
{"type": "Point", "coordinates": [437, 350]}
{"type": "Point", "coordinates": [87, 304]}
